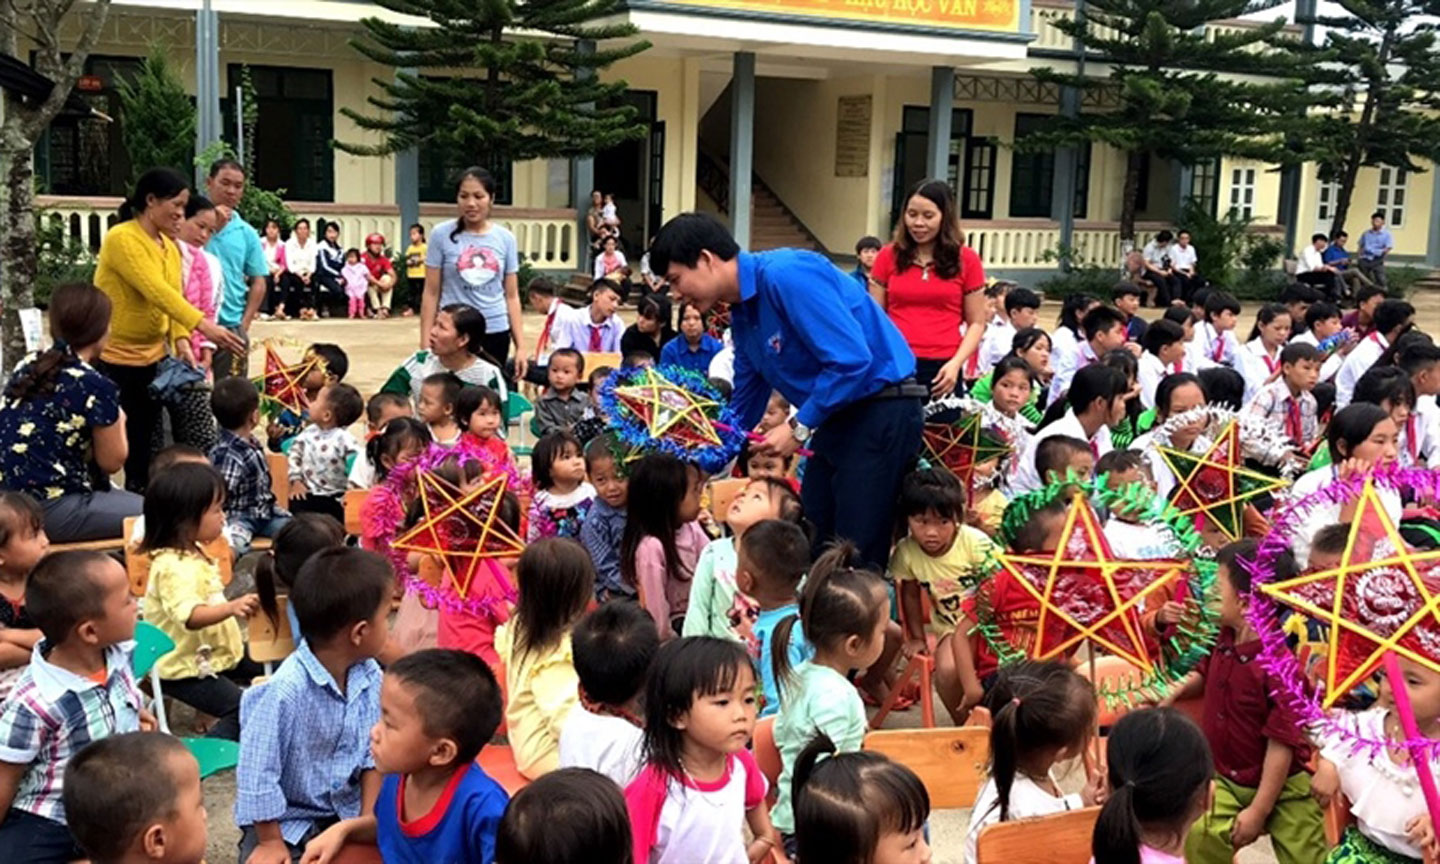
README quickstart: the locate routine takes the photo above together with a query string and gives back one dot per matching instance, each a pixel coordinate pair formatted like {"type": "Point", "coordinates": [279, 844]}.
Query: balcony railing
{"type": "Point", "coordinates": [1049, 37]}
{"type": "Point", "coordinates": [1030, 245]}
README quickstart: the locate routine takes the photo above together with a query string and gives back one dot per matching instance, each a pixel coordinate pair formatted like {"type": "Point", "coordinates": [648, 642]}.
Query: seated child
{"type": "Point", "coordinates": [1128, 537]}
{"type": "Point", "coordinates": [556, 583]}
{"type": "Point", "coordinates": [1060, 458]}
{"type": "Point", "coordinates": [1164, 344]}
{"type": "Point", "coordinates": [77, 689]}
{"type": "Point", "coordinates": [305, 759]}
{"type": "Point", "coordinates": [569, 815]}
{"type": "Point", "coordinates": [604, 527]}
{"type": "Point", "coordinates": [22, 544]}
{"type": "Point", "coordinates": [478, 411]}
{"type": "Point", "coordinates": [331, 364]}
{"type": "Point", "coordinates": [250, 507]}
{"type": "Point", "coordinates": [930, 562]}
{"type": "Point", "coordinates": [1158, 787]}
{"type": "Point", "coordinates": [1288, 402]}
{"type": "Point", "coordinates": [318, 472]}
{"type": "Point", "coordinates": [175, 454]}
{"type": "Point", "coordinates": [562, 496]}
{"type": "Point", "coordinates": [184, 597]}
{"type": "Point", "coordinates": [440, 708]}
{"type": "Point", "coordinates": [858, 807]}
{"type": "Point", "coordinates": [777, 411]}
{"type": "Point", "coordinates": [123, 813]}
{"type": "Point", "coordinates": [562, 404]}
{"type": "Point", "coordinates": [756, 464]}
{"type": "Point", "coordinates": [437, 406]}
{"type": "Point", "coordinates": [379, 411]}
{"type": "Point", "coordinates": [592, 424]}
{"type": "Point", "coordinates": [1013, 609]}
{"type": "Point", "coordinates": [663, 539]}
{"type": "Point", "coordinates": [613, 647]}
{"type": "Point", "coordinates": [771, 562]}
{"type": "Point", "coordinates": [275, 573]}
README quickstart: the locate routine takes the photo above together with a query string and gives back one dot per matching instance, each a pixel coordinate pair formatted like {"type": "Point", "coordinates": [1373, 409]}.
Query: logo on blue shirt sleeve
{"type": "Point", "coordinates": [775, 342]}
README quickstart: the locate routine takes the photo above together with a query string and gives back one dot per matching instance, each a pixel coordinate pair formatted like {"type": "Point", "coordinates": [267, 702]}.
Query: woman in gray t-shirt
{"type": "Point", "coordinates": [472, 261]}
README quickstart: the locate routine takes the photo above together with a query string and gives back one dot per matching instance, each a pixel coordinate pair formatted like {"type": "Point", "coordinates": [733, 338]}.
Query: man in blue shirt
{"type": "Point", "coordinates": [802, 327]}
{"type": "Point", "coordinates": [1337, 256]}
{"type": "Point", "coordinates": [1375, 244]}
{"type": "Point", "coordinates": [237, 245]}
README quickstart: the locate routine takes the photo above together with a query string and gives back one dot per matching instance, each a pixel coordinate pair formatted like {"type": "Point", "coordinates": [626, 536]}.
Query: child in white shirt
{"type": "Point", "coordinates": [612, 648]}
{"type": "Point", "coordinates": [319, 457]}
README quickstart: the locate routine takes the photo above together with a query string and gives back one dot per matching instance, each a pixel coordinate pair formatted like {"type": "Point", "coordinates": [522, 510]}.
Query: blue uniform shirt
{"type": "Point", "coordinates": [460, 827]}
{"type": "Point", "coordinates": [807, 329]}
{"type": "Point", "coordinates": [237, 245]}
{"type": "Point", "coordinates": [1374, 243]}
{"type": "Point", "coordinates": [677, 353]}
{"type": "Point", "coordinates": [1335, 256]}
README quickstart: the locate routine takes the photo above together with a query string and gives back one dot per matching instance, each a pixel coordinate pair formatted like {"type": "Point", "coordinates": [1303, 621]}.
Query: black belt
{"type": "Point", "coordinates": [907, 389]}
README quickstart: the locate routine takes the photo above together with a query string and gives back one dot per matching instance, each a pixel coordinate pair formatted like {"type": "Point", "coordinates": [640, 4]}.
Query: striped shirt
{"type": "Point", "coordinates": [53, 713]}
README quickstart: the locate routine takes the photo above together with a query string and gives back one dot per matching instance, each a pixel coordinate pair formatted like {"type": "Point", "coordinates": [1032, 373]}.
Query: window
{"type": "Point", "coordinates": [1205, 185]}
{"type": "Point", "coordinates": [1392, 195]}
{"type": "Point", "coordinates": [1082, 183]}
{"type": "Point", "coordinates": [295, 130]}
{"type": "Point", "coordinates": [977, 199]}
{"type": "Point", "coordinates": [438, 170]}
{"type": "Point", "coordinates": [82, 154]}
{"type": "Point", "coordinates": [1242, 191]}
{"type": "Point", "coordinates": [1032, 175]}
{"type": "Point", "coordinates": [911, 153]}
{"type": "Point", "coordinates": [1325, 208]}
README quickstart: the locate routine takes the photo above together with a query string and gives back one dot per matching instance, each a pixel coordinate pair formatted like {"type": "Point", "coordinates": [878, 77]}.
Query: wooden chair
{"type": "Point", "coordinates": [1062, 838]}
{"type": "Point", "coordinates": [137, 563]}
{"type": "Point", "coordinates": [354, 503]}
{"type": "Point", "coordinates": [767, 755]}
{"type": "Point", "coordinates": [271, 642]}
{"type": "Point", "coordinates": [722, 495]}
{"type": "Point", "coordinates": [950, 761]}
{"type": "Point", "coordinates": [596, 359]}
{"type": "Point", "coordinates": [279, 477]}
{"type": "Point", "coordinates": [921, 669]}
{"type": "Point", "coordinates": [116, 544]}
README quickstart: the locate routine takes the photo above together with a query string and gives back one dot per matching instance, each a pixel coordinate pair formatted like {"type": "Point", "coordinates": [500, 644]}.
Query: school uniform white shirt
{"type": "Point", "coordinates": [1065, 371]}
{"type": "Point", "coordinates": [1028, 799]}
{"type": "Point", "coordinates": [1326, 513]}
{"type": "Point", "coordinates": [1419, 442]}
{"type": "Point", "coordinates": [1183, 258]}
{"type": "Point", "coordinates": [300, 260]}
{"type": "Point", "coordinates": [1332, 364]}
{"type": "Point", "coordinates": [1063, 342]}
{"type": "Point", "coordinates": [1384, 797]}
{"type": "Point", "coordinates": [1135, 542]}
{"type": "Point", "coordinates": [1256, 366]}
{"type": "Point", "coordinates": [611, 745]}
{"type": "Point", "coordinates": [999, 337]}
{"type": "Point", "coordinates": [1311, 260]}
{"type": "Point", "coordinates": [1027, 479]}
{"type": "Point", "coordinates": [1361, 358]}
{"type": "Point", "coordinates": [1151, 373]}
{"type": "Point", "coordinates": [1208, 354]}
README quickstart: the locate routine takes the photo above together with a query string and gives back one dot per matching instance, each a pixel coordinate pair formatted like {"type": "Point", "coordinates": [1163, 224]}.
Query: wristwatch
{"type": "Point", "coordinates": [803, 433]}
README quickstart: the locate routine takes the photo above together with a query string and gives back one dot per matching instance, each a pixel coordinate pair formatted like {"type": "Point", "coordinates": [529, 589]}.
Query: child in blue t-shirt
{"type": "Point", "coordinates": [438, 707]}
{"type": "Point", "coordinates": [772, 560]}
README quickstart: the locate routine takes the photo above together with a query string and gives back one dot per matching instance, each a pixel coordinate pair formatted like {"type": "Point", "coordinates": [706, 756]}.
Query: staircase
{"type": "Point", "coordinates": [772, 224]}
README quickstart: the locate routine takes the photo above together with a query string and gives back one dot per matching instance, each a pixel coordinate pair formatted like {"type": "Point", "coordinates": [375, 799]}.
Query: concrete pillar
{"type": "Point", "coordinates": [1289, 205]}
{"type": "Point", "coordinates": [942, 109]}
{"type": "Point", "coordinates": [407, 183]}
{"type": "Point", "coordinates": [208, 127]}
{"type": "Point", "coordinates": [742, 145]}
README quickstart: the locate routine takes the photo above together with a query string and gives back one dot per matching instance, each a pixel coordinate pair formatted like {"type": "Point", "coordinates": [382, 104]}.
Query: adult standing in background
{"type": "Point", "coordinates": [473, 261]}
{"type": "Point", "coordinates": [595, 223]}
{"type": "Point", "coordinates": [237, 245]}
{"type": "Point", "coordinates": [929, 283]}
{"type": "Point", "coordinates": [1375, 245]}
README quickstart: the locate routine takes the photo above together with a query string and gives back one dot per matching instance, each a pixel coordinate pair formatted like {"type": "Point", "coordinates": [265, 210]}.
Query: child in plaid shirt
{"type": "Point", "coordinates": [250, 507]}
{"type": "Point", "coordinates": [77, 689]}
{"type": "Point", "coordinates": [1287, 401]}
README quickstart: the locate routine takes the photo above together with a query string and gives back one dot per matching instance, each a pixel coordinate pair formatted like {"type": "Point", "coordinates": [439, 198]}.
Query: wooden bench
{"type": "Point", "coordinates": [1061, 838]}
{"type": "Point", "coordinates": [950, 761]}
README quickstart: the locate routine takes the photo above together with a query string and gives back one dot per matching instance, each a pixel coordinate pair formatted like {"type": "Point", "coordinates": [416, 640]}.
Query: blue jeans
{"type": "Point", "coordinates": [242, 530]}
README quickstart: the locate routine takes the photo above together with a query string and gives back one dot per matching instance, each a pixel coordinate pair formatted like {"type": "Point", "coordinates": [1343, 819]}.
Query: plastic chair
{"type": "Point", "coordinates": [498, 760]}
{"type": "Point", "coordinates": [152, 643]}
{"type": "Point", "coordinates": [213, 754]}
{"type": "Point", "coordinates": [767, 755]}
{"type": "Point", "coordinates": [517, 406]}
{"type": "Point", "coordinates": [921, 668]}
{"type": "Point", "coordinates": [354, 504]}
{"type": "Point", "coordinates": [950, 762]}
{"type": "Point", "coordinates": [1062, 838]}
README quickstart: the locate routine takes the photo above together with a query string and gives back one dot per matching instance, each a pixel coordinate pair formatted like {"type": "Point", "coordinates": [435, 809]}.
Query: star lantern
{"type": "Point", "coordinates": [1085, 593]}
{"type": "Point", "coordinates": [959, 447]}
{"type": "Point", "coordinates": [461, 528]}
{"type": "Point", "coordinates": [670, 411]}
{"type": "Point", "coordinates": [719, 320]}
{"type": "Point", "coordinates": [283, 384]}
{"type": "Point", "coordinates": [1380, 598]}
{"type": "Point", "coordinates": [1216, 484]}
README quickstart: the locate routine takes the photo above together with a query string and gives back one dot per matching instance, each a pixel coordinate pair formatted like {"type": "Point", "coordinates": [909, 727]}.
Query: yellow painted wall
{"type": "Point", "coordinates": [676, 82]}
{"type": "Point", "coordinates": [1411, 238]}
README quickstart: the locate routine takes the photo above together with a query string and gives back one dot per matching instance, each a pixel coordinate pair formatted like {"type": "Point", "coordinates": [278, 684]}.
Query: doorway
{"type": "Point", "coordinates": [634, 172]}
{"type": "Point", "coordinates": [293, 136]}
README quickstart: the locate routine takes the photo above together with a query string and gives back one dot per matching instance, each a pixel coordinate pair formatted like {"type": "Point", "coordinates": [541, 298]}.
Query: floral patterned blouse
{"type": "Point", "coordinates": [45, 441]}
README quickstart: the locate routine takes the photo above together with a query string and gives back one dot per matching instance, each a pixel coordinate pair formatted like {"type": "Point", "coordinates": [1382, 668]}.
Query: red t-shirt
{"type": "Point", "coordinates": [1014, 611]}
{"type": "Point", "coordinates": [1241, 714]}
{"type": "Point", "coordinates": [378, 265]}
{"type": "Point", "coordinates": [928, 311]}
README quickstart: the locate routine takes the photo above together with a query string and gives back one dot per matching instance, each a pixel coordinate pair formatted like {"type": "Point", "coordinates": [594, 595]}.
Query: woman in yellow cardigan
{"type": "Point", "coordinates": [139, 269]}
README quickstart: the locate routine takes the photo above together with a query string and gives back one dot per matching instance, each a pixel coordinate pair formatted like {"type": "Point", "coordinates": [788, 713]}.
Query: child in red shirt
{"type": "Point", "coordinates": [382, 274]}
{"type": "Point", "coordinates": [480, 415]}
{"type": "Point", "coordinates": [1013, 610]}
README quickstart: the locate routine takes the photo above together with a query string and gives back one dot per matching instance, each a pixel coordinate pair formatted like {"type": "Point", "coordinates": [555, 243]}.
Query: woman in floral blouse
{"type": "Point", "coordinates": [61, 420]}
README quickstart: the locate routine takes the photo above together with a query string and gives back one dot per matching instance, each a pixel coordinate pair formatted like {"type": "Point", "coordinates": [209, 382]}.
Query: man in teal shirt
{"type": "Point", "coordinates": [242, 262]}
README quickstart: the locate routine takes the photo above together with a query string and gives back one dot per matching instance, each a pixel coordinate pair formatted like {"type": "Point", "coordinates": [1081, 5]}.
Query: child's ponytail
{"type": "Point", "coordinates": [1117, 832]}
{"type": "Point", "coordinates": [1159, 776]}
{"type": "Point", "coordinates": [842, 598]}
{"type": "Point", "coordinates": [295, 543]}
{"type": "Point", "coordinates": [845, 803]}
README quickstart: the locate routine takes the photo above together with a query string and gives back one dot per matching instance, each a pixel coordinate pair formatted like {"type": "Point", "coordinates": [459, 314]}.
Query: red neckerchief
{"type": "Point", "coordinates": [608, 710]}
{"type": "Point", "coordinates": [1271, 363]}
{"type": "Point", "coordinates": [545, 331]}
{"type": "Point", "coordinates": [1294, 425]}
{"type": "Point", "coordinates": [1217, 351]}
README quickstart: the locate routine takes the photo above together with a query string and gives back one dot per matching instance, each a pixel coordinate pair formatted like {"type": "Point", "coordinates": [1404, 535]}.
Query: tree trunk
{"type": "Point", "coordinates": [18, 264]}
{"type": "Point", "coordinates": [1374, 93]}
{"type": "Point", "coordinates": [1130, 196]}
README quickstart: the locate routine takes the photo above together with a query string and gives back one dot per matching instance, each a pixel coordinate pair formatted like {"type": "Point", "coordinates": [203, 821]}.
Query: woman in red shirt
{"type": "Point", "coordinates": [929, 283]}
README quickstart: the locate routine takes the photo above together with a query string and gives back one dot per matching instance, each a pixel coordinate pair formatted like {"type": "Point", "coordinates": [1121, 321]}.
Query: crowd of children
{"type": "Point", "coordinates": [629, 651]}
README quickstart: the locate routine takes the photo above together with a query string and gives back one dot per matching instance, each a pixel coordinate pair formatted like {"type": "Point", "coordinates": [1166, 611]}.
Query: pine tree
{"type": "Point", "coordinates": [1387, 49]}
{"type": "Point", "coordinates": [1177, 91]}
{"type": "Point", "coordinates": [158, 123]}
{"type": "Point", "coordinates": [494, 81]}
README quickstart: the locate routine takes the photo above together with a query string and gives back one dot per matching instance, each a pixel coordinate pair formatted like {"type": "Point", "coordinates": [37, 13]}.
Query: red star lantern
{"type": "Point", "coordinates": [284, 385]}
{"type": "Point", "coordinates": [1216, 484]}
{"type": "Point", "coordinates": [959, 447]}
{"type": "Point", "coordinates": [719, 320]}
{"type": "Point", "coordinates": [1086, 594]}
{"type": "Point", "coordinates": [461, 528]}
{"type": "Point", "coordinates": [669, 411]}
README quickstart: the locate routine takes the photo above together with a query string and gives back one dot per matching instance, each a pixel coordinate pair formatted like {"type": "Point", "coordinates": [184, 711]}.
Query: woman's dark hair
{"type": "Point", "coordinates": [1035, 707]}
{"type": "Point", "coordinates": [1267, 314]}
{"type": "Point", "coordinates": [1159, 773]}
{"type": "Point", "coordinates": [471, 399]}
{"type": "Point", "coordinates": [295, 543]}
{"type": "Point", "coordinates": [1072, 309]}
{"type": "Point", "coordinates": [1096, 381]}
{"type": "Point", "coordinates": [658, 483]}
{"type": "Point", "coordinates": [79, 317]}
{"type": "Point", "coordinates": [1351, 426]}
{"type": "Point", "coordinates": [685, 306]}
{"type": "Point", "coordinates": [841, 598]}
{"type": "Point", "coordinates": [657, 306]}
{"type": "Point", "coordinates": [845, 802]}
{"type": "Point", "coordinates": [1025, 339]}
{"type": "Point", "coordinates": [175, 502]}
{"type": "Point", "coordinates": [162, 184]}
{"type": "Point", "coordinates": [552, 446]}
{"type": "Point", "coordinates": [686, 668]}
{"type": "Point", "coordinates": [1011, 363]}
{"type": "Point", "coordinates": [566, 816]}
{"type": "Point", "coordinates": [947, 242]}
{"type": "Point", "coordinates": [1223, 387]}
{"type": "Point", "coordinates": [555, 580]}
{"type": "Point", "coordinates": [469, 323]}
{"type": "Point", "coordinates": [1381, 384]}
{"type": "Point", "coordinates": [481, 176]}
{"type": "Point", "coordinates": [399, 433]}
{"type": "Point", "coordinates": [1165, 392]}
{"type": "Point", "coordinates": [196, 205]}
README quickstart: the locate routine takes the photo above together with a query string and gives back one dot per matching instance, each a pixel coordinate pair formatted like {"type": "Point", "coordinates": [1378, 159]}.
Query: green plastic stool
{"type": "Point", "coordinates": [213, 754]}
{"type": "Point", "coordinates": [151, 643]}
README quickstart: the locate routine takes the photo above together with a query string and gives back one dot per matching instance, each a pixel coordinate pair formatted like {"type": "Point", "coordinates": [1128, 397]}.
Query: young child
{"type": "Point", "coordinates": [1015, 612]}
{"type": "Point", "coordinates": [569, 815]}
{"type": "Point", "coordinates": [437, 406]}
{"type": "Point", "coordinates": [844, 612]}
{"type": "Point", "coordinates": [1126, 296]}
{"type": "Point", "coordinates": [275, 574]}
{"type": "Point", "coordinates": [1322, 321]}
{"type": "Point", "coordinates": [1129, 538]}
{"type": "Point", "coordinates": [858, 808]}
{"type": "Point", "coordinates": [122, 815]}
{"type": "Point", "coordinates": [556, 582]}
{"type": "Point", "coordinates": [303, 759]}
{"type": "Point", "coordinates": [184, 510]}
{"type": "Point", "coordinates": [415, 269]}
{"type": "Point", "coordinates": [77, 689]}
{"type": "Point", "coordinates": [1359, 437]}
{"type": "Point", "coordinates": [175, 454]}
{"type": "Point", "coordinates": [381, 277]}
{"type": "Point", "coordinates": [1260, 357]}
{"type": "Point", "coordinates": [319, 470]}
{"type": "Point", "coordinates": [1288, 402]}
{"type": "Point", "coordinates": [1014, 388]}
{"type": "Point", "coordinates": [693, 348]}
{"type": "Point", "coordinates": [614, 647]}
{"type": "Point", "coordinates": [662, 540]}
{"type": "Point", "coordinates": [699, 782]}
{"type": "Point", "coordinates": [1215, 343]}
{"type": "Point", "coordinates": [1157, 763]}
{"type": "Point", "coordinates": [592, 423]}
{"type": "Point", "coordinates": [1419, 358]}
{"type": "Point", "coordinates": [379, 411]}
{"type": "Point", "coordinates": [562, 404]}
{"type": "Point", "coordinates": [22, 544]}
{"type": "Point", "coordinates": [331, 363]}
{"type": "Point", "coordinates": [563, 498]}
{"type": "Point", "coordinates": [936, 553]}
{"type": "Point", "coordinates": [755, 463]}
{"type": "Point", "coordinates": [610, 215]}
{"type": "Point", "coordinates": [1104, 332]}
{"type": "Point", "coordinates": [867, 249]}
{"type": "Point", "coordinates": [1022, 310]}
{"type": "Point", "coordinates": [356, 277]}
{"type": "Point", "coordinates": [1061, 458]}
{"type": "Point", "coordinates": [604, 526]}
{"type": "Point", "coordinates": [1164, 344]}
{"type": "Point", "coordinates": [1041, 714]}
{"type": "Point", "coordinates": [772, 560]}
{"type": "Point", "coordinates": [777, 411]}
{"type": "Point", "coordinates": [1259, 747]}
{"type": "Point", "coordinates": [717, 608]}
{"type": "Point", "coordinates": [438, 708]}
{"type": "Point", "coordinates": [251, 508]}
{"type": "Point", "coordinates": [1093, 405]}
{"type": "Point", "coordinates": [480, 413]}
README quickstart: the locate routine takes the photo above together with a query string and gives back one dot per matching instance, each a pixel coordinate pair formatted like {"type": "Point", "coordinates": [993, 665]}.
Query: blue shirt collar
{"type": "Point", "coordinates": [357, 678]}
{"type": "Point", "coordinates": [54, 681]}
{"type": "Point", "coordinates": [746, 270]}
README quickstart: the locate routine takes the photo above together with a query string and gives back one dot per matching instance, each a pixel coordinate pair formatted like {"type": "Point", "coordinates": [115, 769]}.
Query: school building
{"type": "Point", "coordinates": [813, 116]}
